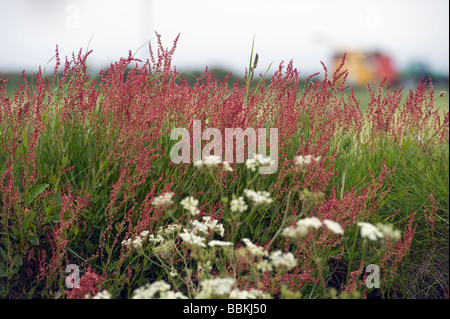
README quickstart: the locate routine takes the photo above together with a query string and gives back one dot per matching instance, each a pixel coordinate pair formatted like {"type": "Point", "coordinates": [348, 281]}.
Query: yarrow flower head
{"type": "Point", "coordinates": [264, 266]}
{"type": "Point", "coordinates": [370, 231]}
{"type": "Point", "coordinates": [163, 200]}
{"type": "Point", "coordinates": [226, 167]}
{"type": "Point", "coordinates": [238, 205]}
{"type": "Point", "coordinates": [213, 243]}
{"type": "Point", "coordinates": [248, 294]}
{"type": "Point", "coordinates": [213, 161]}
{"type": "Point", "coordinates": [190, 204]}
{"type": "Point", "coordinates": [208, 226]}
{"type": "Point", "coordinates": [105, 294]}
{"type": "Point", "coordinates": [389, 231]}
{"type": "Point", "coordinates": [258, 160]}
{"type": "Point", "coordinates": [278, 258]}
{"type": "Point", "coordinates": [333, 226]}
{"type": "Point", "coordinates": [138, 242]}
{"type": "Point", "coordinates": [215, 287]}
{"type": "Point", "coordinates": [253, 249]}
{"type": "Point", "coordinates": [302, 227]}
{"type": "Point", "coordinates": [302, 161]}
{"type": "Point", "coordinates": [306, 159]}
{"type": "Point", "coordinates": [259, 197]}
{"type": "Point", "coordinates": [192, 239]}
{"type": "Point", "coordinates": [157, 289]}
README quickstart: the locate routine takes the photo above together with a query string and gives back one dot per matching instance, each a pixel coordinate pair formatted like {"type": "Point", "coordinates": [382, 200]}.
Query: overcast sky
{"type": "Point", "coordinates": [220, 33]}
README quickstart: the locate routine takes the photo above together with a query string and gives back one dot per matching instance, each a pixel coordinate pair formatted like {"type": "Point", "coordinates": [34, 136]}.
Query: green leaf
{"type": "Point", "coordinates": [35, 191]}
{"type": "Point", "coordinates": [258, 230]}
{"type": "Point", "coordinates": [16, 264]}
{"type": "Point", "coordinates": [34, 240]}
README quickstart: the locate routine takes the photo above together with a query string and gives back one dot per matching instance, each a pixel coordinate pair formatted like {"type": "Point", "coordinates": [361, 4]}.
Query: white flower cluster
{"type": "Point", "coordinates": [223, 287]}
{"type": "Point", "coordinates": [213, 161]}
{"type": "Point", "coordinates": [370, 231]}
{"type": "Point", "coordinates": [278, 258]}
{"type": "Point", "coordinates": [213, 243]}
{"type": "Point", "coordinates": [238, 205]}
{"type": "Point", "coordinates": [367, 230]}
{"type": "Point", "coordinates": [157, 289]}
{"type": "Point", "coordinates": [138, 241]}
{"type": "Point", "coordinates": [215, 287]}
{"type": "Point", "coordinates": [207, 227]}
{"type": "Point", "coordinates": [258, 160]}
{"type": "Point", "coordinates": [389, 231]}
{"type": "Point", "coordinates": [163, 200]}
{"type": "Point", "coordinates": [253, 249]}
{"type": "Point", "coordinates": [378, 231]}
{"type": "Point", "coordinates": [304, 160]}
{"type": "Point", "coordinates": [259, 197]}
{"type": "Point", "coordinates": [249, 294]}
{"type": "Point", "coordinates": [190, 204]}
{"type": "Point", "coordinates": [168, 230]}
{"type": "Point", "coordinates": [190, 238]}
{"type": "Point", "coordinates": [303, 225]}
{"type": "Point", "coordinates": [105, 294]}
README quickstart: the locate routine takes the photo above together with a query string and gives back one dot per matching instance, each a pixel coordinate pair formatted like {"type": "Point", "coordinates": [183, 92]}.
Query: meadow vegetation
{"type": "Point", "coordinates": [86, 179]}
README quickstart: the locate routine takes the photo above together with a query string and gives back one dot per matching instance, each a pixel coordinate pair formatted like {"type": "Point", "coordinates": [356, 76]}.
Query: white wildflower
{"type": "Point", "coordinates": [105, 294]}
{"type": "Point", "coordinates": [278, 258]}
{"type": "Point", "coordinates": [248, 294]}
{"type": "Point", "coordinates": [138, 242]}
{"type": "Point", "coordinates": [190, 204]}
{"type": "Point", "coordinates": [238, 205]}
{"type": "Point", "coordinates": [164, 249]}
{"type": "Point", "coordinates": [127, 242]}
{"type": "Point", "coordinates": [198, 164]}
{"type": "Point", "coordinates": [191, 238]}
{"type": "Point", "coordinates": [302, 227]}
{"type": "Point", "coordinates": [169, 230]}
{"type": "Point", "coordinates": [157, 289]}
{"type": "Point", "coordinates": [333, 226]}
{"type": "Point", "coordinates": [144, 234]}
{"type": "Point", "coordinates": [208, 226]}
{"type": "Point", "coordinates": [172, 295]}
{"type": "Point", "coordinates": [310, 222]}
{"type": "Point", "coordinates": [213, 243]}
{"type": "Point", "coordinates": [389, 231]}
{"type": "Point", "coordinates": [264, 266]}
{"type": "Point", "coordinates": [155, 239]}
{"type": "Point", "coordinates": [226, 167]}
{"type": "Point", "coordinates": [211, 161]}
{"type": "Point", "coordinates": [304, 160]}
{"type": "Point", "coordinates": [258, 160]}
{"type": "Point", "coordinates": [215, 287]}
{"type": "Point", "coordinates": [253, 249]}
{"type": "Point", "coordinates": [370, 231]}
{"type": "Point", "coordinates": [163, 200]}
{"type": "Point", "coordinates": [173, 272]}
{"type": "Point", "coordinates": [259, 197]}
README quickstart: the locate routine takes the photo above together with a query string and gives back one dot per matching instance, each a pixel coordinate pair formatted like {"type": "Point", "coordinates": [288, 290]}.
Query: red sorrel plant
{"type": "Point", "coordinates": [90, 284]}
{"type": "Point", "coordinates": [82, 160]}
